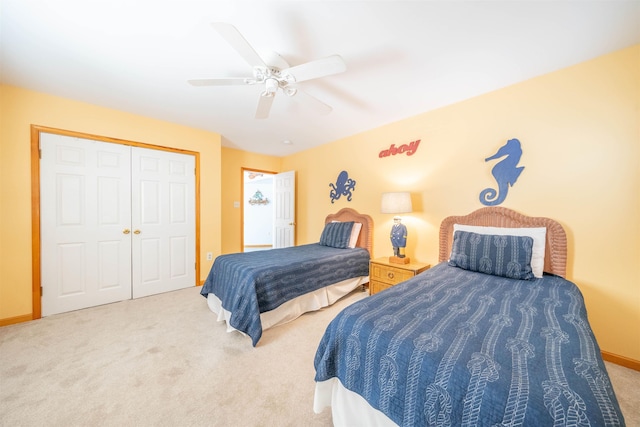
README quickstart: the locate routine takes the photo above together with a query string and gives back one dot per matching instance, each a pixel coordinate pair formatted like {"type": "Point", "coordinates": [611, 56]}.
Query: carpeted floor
{"type": "Point", "coordinates": [164, 361]}
{"type": "Point", "coordinates": [161, 361]}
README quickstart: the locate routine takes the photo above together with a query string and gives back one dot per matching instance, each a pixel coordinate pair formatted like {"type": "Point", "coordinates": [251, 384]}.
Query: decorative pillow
{"type": "Point", "coordinates": [355, 233]}
{"type": "Point", "coordinates": [538, 234]}
{"type": "Point", "coordinates": [336, 234]}
{"type": "Point", "coordinates": [499, 255]}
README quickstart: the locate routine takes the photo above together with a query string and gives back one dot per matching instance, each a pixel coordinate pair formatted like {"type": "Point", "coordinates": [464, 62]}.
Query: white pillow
{"type": "Point", "coordinates": [538, 234]}
{"type": "Point", "coordinates": [355, 232]}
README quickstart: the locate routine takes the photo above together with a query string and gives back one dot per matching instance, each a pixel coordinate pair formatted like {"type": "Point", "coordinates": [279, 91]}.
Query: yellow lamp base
{"type": "Point", "coordinates": [398, 260]}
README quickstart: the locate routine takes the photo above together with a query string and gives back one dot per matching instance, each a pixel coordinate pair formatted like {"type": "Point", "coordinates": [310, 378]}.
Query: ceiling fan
{"type": "Point", "coordinates": [273, 73]}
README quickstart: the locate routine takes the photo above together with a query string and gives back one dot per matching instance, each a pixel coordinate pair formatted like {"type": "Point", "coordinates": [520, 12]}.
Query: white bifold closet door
{"type": "Point", "coordinates": [162, 221]}
{"type": "Point", "coordinates": [117, 222]}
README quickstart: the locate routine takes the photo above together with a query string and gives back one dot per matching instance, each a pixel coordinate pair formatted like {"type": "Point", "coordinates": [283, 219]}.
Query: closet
{"type": "Point", "coordinates": [116, 222]}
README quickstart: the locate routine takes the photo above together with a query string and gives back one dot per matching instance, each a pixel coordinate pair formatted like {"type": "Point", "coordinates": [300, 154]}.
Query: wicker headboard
{"type": "Point", "coordinates": [555, 256]}
{"type": "Point", "coordinates": [365, 240]}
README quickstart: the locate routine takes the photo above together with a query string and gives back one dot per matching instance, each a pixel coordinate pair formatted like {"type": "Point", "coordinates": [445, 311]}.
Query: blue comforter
{"type": "Point", "coordinates": [251, 283]}
{"type": "Point", "coordinates": [451, 347]}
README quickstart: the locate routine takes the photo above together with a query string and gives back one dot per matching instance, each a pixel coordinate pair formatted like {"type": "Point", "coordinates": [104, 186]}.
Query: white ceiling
{"type": "Point", "coordinates": [403, 58]}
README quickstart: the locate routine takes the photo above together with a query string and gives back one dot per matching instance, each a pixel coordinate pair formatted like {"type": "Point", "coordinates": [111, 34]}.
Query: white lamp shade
{"type": "Point", "coordinates": [396, 203]}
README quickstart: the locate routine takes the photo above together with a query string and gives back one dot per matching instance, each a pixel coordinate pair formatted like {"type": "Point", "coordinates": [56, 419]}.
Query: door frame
{"type": "Point", "coordinates": [36, 130]}
{"type": "Point", "coordinates": [242, 171]}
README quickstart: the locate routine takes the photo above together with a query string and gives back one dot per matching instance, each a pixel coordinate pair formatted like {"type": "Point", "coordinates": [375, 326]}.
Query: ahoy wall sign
{"type": "Point", "coordinates": [408, 149]}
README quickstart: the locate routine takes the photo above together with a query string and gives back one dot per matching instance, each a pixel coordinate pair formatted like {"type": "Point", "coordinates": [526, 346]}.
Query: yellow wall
{"type": "Point", "coordinates": [19, 109]}
{"type": "Point", "coordinates": [580, 132]}
{"type": "Point", "coordinates": [232, 163]}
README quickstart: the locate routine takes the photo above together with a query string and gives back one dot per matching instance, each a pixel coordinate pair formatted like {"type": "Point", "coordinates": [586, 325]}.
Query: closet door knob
{"type": "Point", "coordinates": [126, 231]}
{"type": "Point", "coordinates": [137, 232]}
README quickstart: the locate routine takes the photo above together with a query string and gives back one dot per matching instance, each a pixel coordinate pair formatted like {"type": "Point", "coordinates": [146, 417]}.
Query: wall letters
{"type": "Point", "coordinates": [409, 149]}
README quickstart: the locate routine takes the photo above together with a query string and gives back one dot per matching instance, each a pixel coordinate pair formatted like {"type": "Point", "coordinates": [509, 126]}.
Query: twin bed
{"type": "Point", "coordinates": [254, 291]}
{"type": "Point", "coordinates": [492, 335]}
{"type": "Point", "coordinates": [476, 340]}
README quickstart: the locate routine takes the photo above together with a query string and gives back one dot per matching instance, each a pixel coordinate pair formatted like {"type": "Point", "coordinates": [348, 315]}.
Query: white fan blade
{"type": "Point", "coordinates": [231, 81]}
{"type": "Point", "coordinates": [313, 102]}
{"type": "Point", "coordinates": [264, 106]}
{"type": "Point", "coordinates": [239, 43]}
{"type": "Point", "coordinates": [319, 68]}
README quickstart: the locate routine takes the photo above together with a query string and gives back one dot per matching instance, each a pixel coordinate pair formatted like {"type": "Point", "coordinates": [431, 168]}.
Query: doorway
{"type": "Point", "coordinates": [257, 210]}
{"type": "Point", "coordinates": [268, 209]}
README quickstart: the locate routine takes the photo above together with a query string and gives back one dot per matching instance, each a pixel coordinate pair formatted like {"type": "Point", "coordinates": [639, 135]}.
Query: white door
{"type": "Point", "coordinates": [284, 209]}
{"type": "Point", "coordinates": [163, 226]}
{"type": "Point", "coordinates": [85, 210]}
{"type": "Point", "coordinates": [116, 222]}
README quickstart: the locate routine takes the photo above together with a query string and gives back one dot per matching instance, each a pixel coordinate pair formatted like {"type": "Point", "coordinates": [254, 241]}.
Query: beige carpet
{"type": "Point", "coordinates": [164, 361]}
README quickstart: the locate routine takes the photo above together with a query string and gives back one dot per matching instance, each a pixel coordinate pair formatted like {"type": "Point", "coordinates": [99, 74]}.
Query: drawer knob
{"type": "Point", "coordinates": [390, 275]}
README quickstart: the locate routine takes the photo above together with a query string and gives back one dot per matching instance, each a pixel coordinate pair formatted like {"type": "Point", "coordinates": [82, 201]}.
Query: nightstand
{"type": "Point", "coordinates": [383, 274]}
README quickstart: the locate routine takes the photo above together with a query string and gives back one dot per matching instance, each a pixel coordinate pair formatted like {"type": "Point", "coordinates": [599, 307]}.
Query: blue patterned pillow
{"type": "Point", "coordinates": [336, 234]}
{"type": "Point", "coordinates": [506, 256]}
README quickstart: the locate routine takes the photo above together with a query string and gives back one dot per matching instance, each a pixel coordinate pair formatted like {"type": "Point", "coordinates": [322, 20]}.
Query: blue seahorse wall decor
{"type": "Point", "coordinates": [505, 172]}
{"type": "Point", "coordinates": [343, 187]}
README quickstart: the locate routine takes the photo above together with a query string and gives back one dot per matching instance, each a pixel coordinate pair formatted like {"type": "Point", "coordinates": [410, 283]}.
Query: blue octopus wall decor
{"type": "Point", "coordinates": [505, 172]}
{"type": "Point", "coordinates": [344, 186]}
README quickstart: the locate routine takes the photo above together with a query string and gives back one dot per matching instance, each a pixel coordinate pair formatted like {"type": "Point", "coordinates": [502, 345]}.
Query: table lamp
{"type": "Point", "coordinates": [397, 203]}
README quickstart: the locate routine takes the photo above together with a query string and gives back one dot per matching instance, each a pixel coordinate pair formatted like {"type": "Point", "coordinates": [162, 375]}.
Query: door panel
{"type": "Point", "coordinates": [69, 204]}
{"type": "Point", "coordinates": [84, 208]}
{"type": "Point", "coordinates": [108, 254]}
{"type": "Point", "coordinates": [72, 277]}
{"type": "Point", "coordinates": [179, 256]}
{"type": "Point", "coordinates": [163, 212]}
{"type": "Point", "coordinates": [284, 206]}
{"type": "Point", "coordinates": [149, 272]}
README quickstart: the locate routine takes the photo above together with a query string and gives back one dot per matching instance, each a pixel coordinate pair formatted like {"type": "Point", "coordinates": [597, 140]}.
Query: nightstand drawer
{"type": "Point", "coordinates": [376, 287]}
{"type": "Point", "coordinates": [383, 274]}
{"type": "Point", "coordinates": [388, 274]}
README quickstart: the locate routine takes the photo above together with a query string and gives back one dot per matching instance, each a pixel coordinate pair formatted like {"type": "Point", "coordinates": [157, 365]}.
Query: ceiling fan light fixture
{"type": "Point", "coordinates": [271, 86]}
{"type": "Point", "coordinates": [259, 74]}
{"type": "Point", "coordinates": [290, 79]}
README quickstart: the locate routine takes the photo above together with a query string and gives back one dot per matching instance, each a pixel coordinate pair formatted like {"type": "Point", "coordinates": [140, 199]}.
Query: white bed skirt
{"type": "Point", "coordinates": [294, 308]}
{"type": "Point", "coordinates": [348, 409]}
